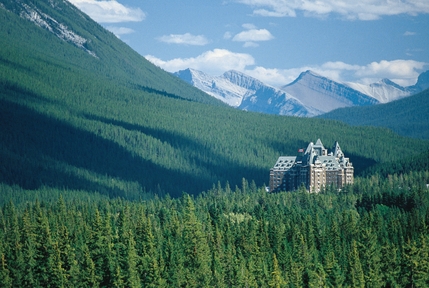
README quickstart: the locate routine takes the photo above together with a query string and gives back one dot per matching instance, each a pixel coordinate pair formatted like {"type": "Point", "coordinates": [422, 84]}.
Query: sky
{"type": "Point", "coordinates": [275, 40]}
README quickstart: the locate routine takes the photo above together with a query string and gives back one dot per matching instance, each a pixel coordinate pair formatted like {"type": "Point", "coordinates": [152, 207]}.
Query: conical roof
{"type": "Point", "coordinates": [337, 150]}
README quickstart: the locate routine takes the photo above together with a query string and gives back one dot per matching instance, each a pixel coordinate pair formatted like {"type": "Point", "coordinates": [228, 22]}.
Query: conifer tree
{"type": "Point", "coordinates": [29, 249]}
{"type": "Point", "coordinates": [416, 262]}
{"type": "Point", "coordinates": [149, 268]}
{"type": "Point", "coordinates": [356, 273]}
{"type": "Point", "coordinates": [12, 245]}
{"type": "Point", "coordinates": [5, 279]}
{"type": "Point", "coordinates": [87, 270]}
{"type": "Point", "coordinates": [371, 257]}
{"type": "Point", "coordinates": [391, 266]}
{"type": "Point", "coordinates": [277, 280]}
{"type": "Point", "coordinates": [197, 255]}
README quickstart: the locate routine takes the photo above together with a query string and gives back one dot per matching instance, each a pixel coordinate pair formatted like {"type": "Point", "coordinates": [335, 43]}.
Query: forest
{"type": "Point", "coordinates": [373, 233]}
{"type": "Point", "coordinates": [114, 173]}
{"type": "Point", "coordinates": [404, 116]}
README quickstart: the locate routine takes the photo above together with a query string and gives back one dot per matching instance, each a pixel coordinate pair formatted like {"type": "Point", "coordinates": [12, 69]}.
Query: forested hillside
{"type": "Point", "coordinates": [117, 125]}
{"type": "Point", "coordinates": [407, 117]}
{"type": "Point", "coordinates": [97, 150]}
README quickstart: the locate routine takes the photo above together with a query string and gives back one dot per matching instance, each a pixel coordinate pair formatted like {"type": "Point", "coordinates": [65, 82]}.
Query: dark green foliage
{"type": "Point", "coordinates": [224, 238]}
{"type": "Point", "coordinates": [418, 162]}
{"type": "Point", "coordinates": [407, 117]}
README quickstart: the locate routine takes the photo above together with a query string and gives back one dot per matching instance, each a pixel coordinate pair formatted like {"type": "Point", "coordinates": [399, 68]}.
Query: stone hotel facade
{"type": "Point", "coordinates": [314, 168]}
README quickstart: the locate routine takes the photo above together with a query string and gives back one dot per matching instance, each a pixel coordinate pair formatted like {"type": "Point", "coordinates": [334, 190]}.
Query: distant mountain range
{"type": "Point", "coordinates": [325, 94]}
{"type": "Point", "coordinates": [247, 93]}
{"type": "Point", "coordinates": [309, 95]}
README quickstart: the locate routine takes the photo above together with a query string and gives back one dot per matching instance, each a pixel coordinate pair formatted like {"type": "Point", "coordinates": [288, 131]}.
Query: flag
{"type": "Point", "coordinates": [301, 150]}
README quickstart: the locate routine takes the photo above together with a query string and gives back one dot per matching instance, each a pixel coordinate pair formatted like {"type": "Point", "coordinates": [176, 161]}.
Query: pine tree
{"type": "Point", "coordinates": [197, 254]}
{"type": "Point", "coordinates": [126, 254]}
{"type": "Point", "coordinates": [29, 249]}
{"type": "Point", "coordinates": [101, 247]}
{"type": "Point", "coordinates": [87, 271]}
{"type": "Point", "coordinates": [218, 265]}
{"type": "Point", "coordinates": [391, 268]}
{"type": "Point", "coordinates": [5, 279]}
{"type": "Point", "coordinates": [371, 257]}
{"type": "Point", "coordinates": [277, 280]}
{"type": "Point", "coordinates": [337, 278]}
{"type": "Point", "coordinates": [317, 277]}
{"type": "Point", "coordinates": [13, 245]}
{"type": "Point", "coordinates": [416, 258]}
{"type": "Point", "coordinates": [296, 273]}
{"type": "Point", "coordinates": [356, 272]}
{"type": "Point", "coordinates": [149, 269]}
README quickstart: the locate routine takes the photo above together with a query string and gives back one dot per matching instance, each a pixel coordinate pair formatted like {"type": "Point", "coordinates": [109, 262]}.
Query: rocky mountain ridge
{"type": "Point", "coordinates": [247, 93]}
{"type": "Point", "coordinates": [309, 95]}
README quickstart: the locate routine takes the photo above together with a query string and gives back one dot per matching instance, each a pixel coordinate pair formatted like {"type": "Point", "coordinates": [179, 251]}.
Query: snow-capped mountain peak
{"type": "Point", "coordinates": [310, 94]}
{"type": "Point", "coordinates": [247, 93]}
{"type": "Point", "coordinates": [218, 87]}
{"type": "Point", "coordinates": [325, 94]}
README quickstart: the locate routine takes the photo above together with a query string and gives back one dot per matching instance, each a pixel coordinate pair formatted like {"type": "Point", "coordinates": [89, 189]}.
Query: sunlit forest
{"type": "Point", "coordinates": [371, 234]}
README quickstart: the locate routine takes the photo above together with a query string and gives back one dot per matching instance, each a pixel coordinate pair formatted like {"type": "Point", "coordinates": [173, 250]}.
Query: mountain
{"type": "Point", "coordinates": [386, 91]}
{"type": "Point", "coordinates": [87, 114]}
{"type": "Point", "coordinates": [309, 95]}
{"type": "Point", "coordinates": [407, 116]}
{"type": "Point", "coordinates": [96, 47]}
{"type": "Point", "coordinates": [422, 83]}
{"type": "Point", "coordinates": [247, 93]}
{"type": "Point", "coordinates": [325, 94]}
{"type": "Point", "coordinates": [218, 87]}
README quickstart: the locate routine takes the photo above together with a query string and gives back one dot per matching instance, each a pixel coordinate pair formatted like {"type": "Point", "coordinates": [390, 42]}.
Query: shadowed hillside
{"type": "Point", "coordinates": [407, 117]}
{"type": "Point", "coordinates": [118, 125]}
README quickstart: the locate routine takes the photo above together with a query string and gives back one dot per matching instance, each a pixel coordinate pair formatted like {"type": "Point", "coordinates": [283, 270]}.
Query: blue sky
{"type": "Point", "coordinates": [275, 40]}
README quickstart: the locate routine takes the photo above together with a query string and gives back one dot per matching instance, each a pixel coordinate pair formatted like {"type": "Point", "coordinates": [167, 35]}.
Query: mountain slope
{"type": "Point", "coordinates": [218, 87]}
{"type": "Point", "coordinates": [246, 93]}
{"type": "Point", "coordinates": [98, 48]}
{"type": "Point", "coordinates": [386, 91]}
{"type": "Point", "coordinates": [324, 94]}
{"type": "Point", "coordinates": [111, 122]}
{"type": "Point", "coordinates": [408, 116]}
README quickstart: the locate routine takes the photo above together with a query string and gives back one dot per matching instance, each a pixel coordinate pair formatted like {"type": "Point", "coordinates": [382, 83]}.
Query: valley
{"type": "Point", "coordinates": [114, 172]}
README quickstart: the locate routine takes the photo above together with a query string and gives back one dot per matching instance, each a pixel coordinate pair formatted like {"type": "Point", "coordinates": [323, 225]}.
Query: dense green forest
{"type": "Point", "coordinates": [372, 234]}
{"type": "Point", "coordinates": [407, 117]}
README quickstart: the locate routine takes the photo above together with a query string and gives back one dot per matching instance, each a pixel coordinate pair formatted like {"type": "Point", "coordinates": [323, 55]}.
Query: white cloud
{"type": "Point", "coordinates": [109, 11]}
{"type": "Point", "coordinates": [253, 35]}
{"type": "Point", "coordinates": [350, 9]}
{"type": "Point", "coordinates": [187, 39]}
{"type": "Point", "coordinates": [214, 62]}
{"type": "Point", "coordinates": [409, 33]}
{"type": "Point", "coordinates": [119, 31]}
{"type": "Point", "coordinates": [274, 77]}
{"type": "Point", "coordinates": [402, 72]}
